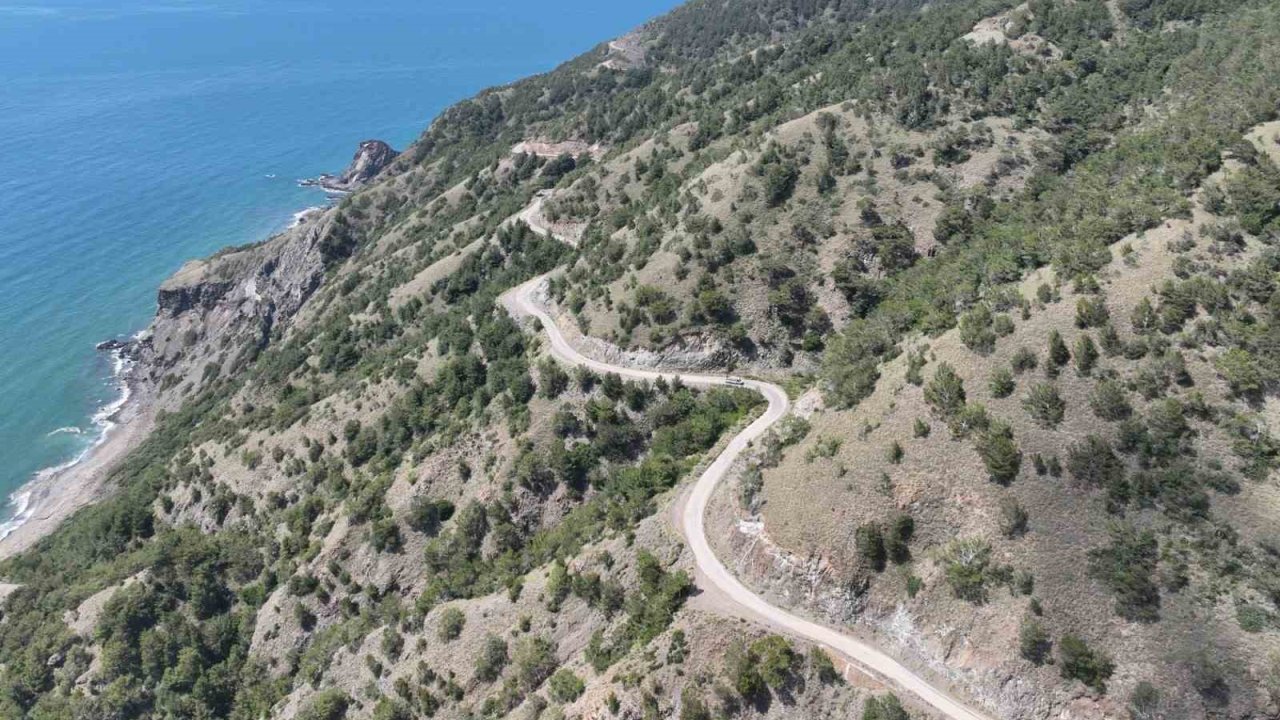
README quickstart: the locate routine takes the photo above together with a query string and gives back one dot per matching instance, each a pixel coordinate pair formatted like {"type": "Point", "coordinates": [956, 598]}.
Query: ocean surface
{"type": "Point", "coordinates": [136, 135]}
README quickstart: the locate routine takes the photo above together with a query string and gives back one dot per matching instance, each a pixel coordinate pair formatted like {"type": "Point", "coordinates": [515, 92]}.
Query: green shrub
{"type": "Point", "coordinates": [775, 660]}
{"type": "Point", "coordinates": [1239, 368]}
{"type": "Point", "coordinates": [692, 706]}
{"type": "Point", "coordinates": [426, 515]}
{"type": "Point", "coordinates": [897, 538]}
{"type": "Point", "coordinates": [331, 704]}
{"type": "Point", "coordinates": [1086, 355]}
{"type": "Point", "coordinates": [1144, 702]}
{"type": "Point", "coordinates": [1128, 567]}
{"type": "Point", "coordinates": [492, 658]}
{"type": "Point", "coordinates": [535, 659]}
{"type": "Point", "coordinates": [1091, 312]}
{"type": "Point", "coordinates": [1045, 405]}
{"type": "Point", "coordinates": [1078, 662]}
{"type": "Point", "coordinates": [1033, 641]}
{"type": "Point", "coordinates": [1000, 454]}
{"type": "Point", "coordinates": [976, 332]}
{"type": "Point", "coordinates": [451, 621]}
{"type": "Point", "coordinates": [565, 686]}
{"type": "Point", "coordinates": [1094, 463]}
{"type": "Point", "coordinates": [823, 667]}
{"type": "Point", "coordinates": [869, 542]}
{"type": "Point", "coordinates": [945, 392]}
{"type": "Point", "coordinates": [1023, 360]}
{"type": "Point", "coordinates": [1013, 517]}
{"type": "Point", "coordinates": [1001, 383]}
{"type": "Point", "coordinates": [966, 563]}
{"type": "Point", "coordinates": [1109, 401]}
{"type": "Point", "coordinates": [885, 707]}
{"type": "Point", "coordinates": [1058, 352]}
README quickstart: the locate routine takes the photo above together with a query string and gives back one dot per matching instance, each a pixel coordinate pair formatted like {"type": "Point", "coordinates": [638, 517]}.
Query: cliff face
{"type": "Point", "coordinates": [216, 313]}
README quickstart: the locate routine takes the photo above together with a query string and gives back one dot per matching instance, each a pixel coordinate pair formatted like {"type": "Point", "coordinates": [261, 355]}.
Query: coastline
{"type": "Point", "coordinates": [56, 493]}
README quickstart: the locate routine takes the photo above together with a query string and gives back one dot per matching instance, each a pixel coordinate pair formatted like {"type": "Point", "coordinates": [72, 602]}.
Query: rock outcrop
{"type": "Point", "coordinates": [214, 314]}
{"type": "Point", "coordinates": [370, 159]}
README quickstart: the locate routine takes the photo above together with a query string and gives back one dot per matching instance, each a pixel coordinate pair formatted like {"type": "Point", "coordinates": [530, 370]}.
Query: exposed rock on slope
{"type": "Point", "coordinates": [216, 313]}
{"type": "Point", "coordinates": [370, 159]}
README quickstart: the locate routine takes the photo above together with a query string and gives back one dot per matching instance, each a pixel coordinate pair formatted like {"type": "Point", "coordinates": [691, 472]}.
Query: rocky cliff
{"type": "Point", "coordinates": [215, 314]}
{"type": "Point", "coordinates": [371, 158]}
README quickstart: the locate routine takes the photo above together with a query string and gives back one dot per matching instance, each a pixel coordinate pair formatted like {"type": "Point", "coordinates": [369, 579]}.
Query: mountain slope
{"type": "Point", "coordinates": [371, 493]}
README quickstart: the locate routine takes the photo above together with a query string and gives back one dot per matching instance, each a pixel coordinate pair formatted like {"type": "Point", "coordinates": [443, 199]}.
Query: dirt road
{"type": "Point", "coordinates": [712, 574]}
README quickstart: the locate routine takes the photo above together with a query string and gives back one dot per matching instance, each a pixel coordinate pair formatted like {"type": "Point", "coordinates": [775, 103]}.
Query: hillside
{"type": "Point", "coordinates": [1014, 265]}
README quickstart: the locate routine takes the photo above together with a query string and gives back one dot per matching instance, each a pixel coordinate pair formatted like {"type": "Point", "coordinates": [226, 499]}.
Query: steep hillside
{"type": "Point", "coordinates": [1015, 265]}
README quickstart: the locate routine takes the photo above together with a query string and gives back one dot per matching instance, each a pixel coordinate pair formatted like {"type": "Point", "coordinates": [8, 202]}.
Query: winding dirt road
{"type": "Point", "coordinates": [712, 574]}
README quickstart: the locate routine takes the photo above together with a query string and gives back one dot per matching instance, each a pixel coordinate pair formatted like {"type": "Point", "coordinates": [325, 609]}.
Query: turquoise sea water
{"type": "Point", "coordinates": [135, 135]}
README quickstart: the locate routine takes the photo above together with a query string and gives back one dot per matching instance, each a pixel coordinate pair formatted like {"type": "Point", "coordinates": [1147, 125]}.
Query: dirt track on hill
{"type": "Point", "coordinates": [712, 575]}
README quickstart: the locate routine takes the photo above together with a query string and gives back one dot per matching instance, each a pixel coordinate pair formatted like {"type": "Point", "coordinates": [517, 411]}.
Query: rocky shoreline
{"type": "Point", "coordinates": [236, 296]}
{"type": "Point", "coordinates": [56, 493]}
{"type": "Point", "coordinates": [371, 158]}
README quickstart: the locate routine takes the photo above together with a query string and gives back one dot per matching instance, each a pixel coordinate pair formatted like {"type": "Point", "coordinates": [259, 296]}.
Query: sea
{"type": "Point", "coordinates": [137, 135]}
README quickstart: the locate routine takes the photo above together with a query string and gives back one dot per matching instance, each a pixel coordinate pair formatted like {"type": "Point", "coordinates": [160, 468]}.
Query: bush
{"type": "Point", "coordinates": [1128, 568]}
{"type": "Point", "coordinates": [1239, 368]}
{"type": "Point", "coordinates": [970, 419]}
{"type": "Point", "coordinates": [966, 563]}
{"type": "Point", "coordinates": [1086, 355]}
{"type": "Point", "coordinates": [328, 704]}
{"type": "Point", "coordinates": [869, 542]}
{"type": "Point", "coordinates": [1109, 401]}
{"type": "Point", "coordinates": [1000, 453]}
{"type": "Point", "coordinates": [1077, 662]}
{"type": "Point", "coordinates": [552, 379]}
{"type": "Point", "coordinates": [1144, 702]}
{"type": "Point", "coordinates": [776, 660]}
{"type": "Point", "coordinates": [1001, 383]}
{"type": "Point", "coordinates": [897, 538]}
{"type": "Point", "coordinates": [451, 621]}
{"type": "Point", "coordinates": [976, 332]}
{"type": "Point", "coordinates": [565, 686]}
{"type": "Point", "coordinates": [1058, 352]}
{"type": "Point", "coordinates": [1033, 641]}
{"type": "Point", "coordinates": [692, 706]}
{"type": "Point", "coordinates": [741, 665]}
{"type": "Point", "coordinates": [1045, 405]}
{"type": "Point", "coordinates": [1023, 360]}
{"type": "Point", "coordinates": [823, 667]}
{"type": "Point", "coordinates": [427, 515]}
{"type": "Point", "coordinates": [1013, 517]}
{"type": "Point", "coordinates": [1210, 680]}
{"type": "Point", "coordinates": [492, 658]}
{"type": "Point", "coordinates": [1094, 463]}
{"type": "Point", "coordinates": [1110, 340]}
{"type": "Point", "coordinates": [1091, 312]}
{"type": "Point", "coordinates": [1144, 318]}
{"type": "Point", "coordinates": [885, 707]}
{"type": "Point", "coordinates": [921, 428]}
{"type": "Point", "coordinates": [535, 659]}
{"type": "Point", "coordinates": [945, 392]}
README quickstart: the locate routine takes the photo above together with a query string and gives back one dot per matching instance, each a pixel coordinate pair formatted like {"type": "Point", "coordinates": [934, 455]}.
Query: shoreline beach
{"type": "Point", "coordinates": [56, 493]}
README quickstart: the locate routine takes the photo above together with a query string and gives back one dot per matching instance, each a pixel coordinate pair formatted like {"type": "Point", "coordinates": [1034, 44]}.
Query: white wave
{"type": "Point", "coordinates": [21, 504]}
{"type": "Point", "coordinates": [69, 430]}
{"type": "Point", "coordinates": [22, 508]}
{"type": "Point", "coordinates": [301, 215]}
